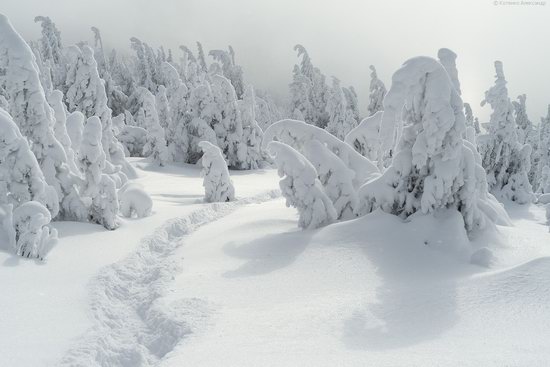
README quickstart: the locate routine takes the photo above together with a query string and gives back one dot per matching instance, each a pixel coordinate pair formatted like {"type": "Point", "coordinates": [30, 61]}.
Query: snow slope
{"type": "Point", "coordinates": [238, 284]}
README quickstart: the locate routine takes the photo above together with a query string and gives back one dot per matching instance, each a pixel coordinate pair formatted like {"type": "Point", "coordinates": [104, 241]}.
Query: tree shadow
{"type": "Point", "coordinates": [268, 253]}
{"type": "Point", "coordinates": [416, 299]}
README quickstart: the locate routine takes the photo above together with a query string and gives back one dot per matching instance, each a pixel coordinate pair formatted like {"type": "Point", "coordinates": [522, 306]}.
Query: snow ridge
{"type": "Point", "coordinates": [133, 326]}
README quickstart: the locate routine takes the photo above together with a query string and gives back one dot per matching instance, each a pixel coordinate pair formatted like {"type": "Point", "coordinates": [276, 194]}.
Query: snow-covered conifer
{"type": "Point", "coordinates": [51, 51]}
{"type": "Point", "coordinates": [336, 178]}
{"type": "Point", "coordinates": [98, 188]}
{"type": "Point", "coordinates": [75, 126]}
{"type": "Point", "coordinates": [341, 120]}
{"type": "Point", "coordinates": [55, 99]}
{"type": "Point", "coordinates": [377, 93]}
{"type": "Point", "coordinates": [34, 117]}
{"type": "Point", "coordinates": [155, 144]}
{"type": "Point", "coordinates": [504, 158]}
{"type": "Point", "coordinates": [217, 183]}
{"type": "Point", "coordinates": [301, 187]}
{"type": "Point", "coordinates": [297, 133]}
{"type": "Point", "coordinates": [33, 237]}
{"type": "Point", "coordinates": [434, 168]}
{"type": "Point", "coordinates": [252, 134]}
{"type": "Point", "coordinates": [201, 109]}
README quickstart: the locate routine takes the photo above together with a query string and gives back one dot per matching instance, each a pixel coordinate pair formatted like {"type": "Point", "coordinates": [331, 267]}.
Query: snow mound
{"type": "Point", "coordinates": [134, 201]}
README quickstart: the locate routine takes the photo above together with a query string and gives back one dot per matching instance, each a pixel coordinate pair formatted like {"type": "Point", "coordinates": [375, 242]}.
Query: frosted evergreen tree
{"type": "Point", "coordinates": [352, 103]}
{"type": "Point", "coordinates": [230, 69]}
{"type": "Point", "coordinates": [144, 68]}
{"type": "Point", "coordinates": [147, 118]}
{"type": "Point", "coordinates": [336, 178]}
{"type": "Point", "coordinates": [201, 109]}
{"type": "Point", "coordinates": [433, 168]}
{"type": "Point", "coordinates": [177, 135]}
{"type": "Point", "coordinates": [21, 179]}
{"type": "Point", "coordinates": [33, 237]}
{"type": "Point", "coordinates": [228, 127]}
{"type": "Point", "coordinates": [341, 120]}
{"type": "Point", "coordinates": [301, 187]}
{"type": "Point", "coordinates": [98, 188]}
{"type": "Point", "coordinates": [55, 99]}
{"type": "Point", "coordinates": [506, 161]}
{"type": "Point", "coordinates": [300, 89]}
{"type": "Point", "coordinates": [201, 59]}
{"type": "Point", "coordinates": [51, 51]}
{"type": "Point", "coordinates": [543, 151]}
{"type": "Point", "coordinates": [527, 134]}
{"type": "Point", "coordinates": [447, 58]}
{"type": "Point", "coordinates": [87, 94]}
{"type": "Point", "coordinates": [252, 133]}
{"type": "Point", "coordinates": [217, 183]}
{"type": "Point", "coordinates": [377, 93]}
{"type": "Point", "coordinates": [34, 117]}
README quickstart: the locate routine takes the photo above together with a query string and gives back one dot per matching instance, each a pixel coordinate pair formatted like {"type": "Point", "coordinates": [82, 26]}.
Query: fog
{"type": "Point", "coordinates": [342, 37]}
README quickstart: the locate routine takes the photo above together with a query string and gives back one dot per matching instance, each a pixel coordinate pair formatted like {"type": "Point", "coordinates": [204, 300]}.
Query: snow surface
{"type": "Point", "coordinates": [239, 284]}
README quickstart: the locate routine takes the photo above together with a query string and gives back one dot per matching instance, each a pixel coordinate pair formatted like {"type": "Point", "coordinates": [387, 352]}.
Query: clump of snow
{"type": "Point", "coordinates": [75, 126]}
{"type": "Point", "coordinates": [217, 183]}
{"type": "Point", "coordinates": [134, 201]}
{"type": "Point", "coordinates": [301, 187]}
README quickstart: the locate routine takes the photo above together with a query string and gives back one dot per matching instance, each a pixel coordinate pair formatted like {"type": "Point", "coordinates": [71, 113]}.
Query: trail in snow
{"type": "Point", "coordinates": [133, 325]}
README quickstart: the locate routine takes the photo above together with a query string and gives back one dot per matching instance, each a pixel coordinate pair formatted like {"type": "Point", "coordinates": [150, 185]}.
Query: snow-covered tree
{"type": "Point", "coordinates": [217, 183]}
{"type": "Point", "coordinates": [230, 69]}
{"type": "Point", "coordinates": [298, 133]}
{"type": "Point", "coordinates": [352, 102]}
{"type": "Point", "coordinates": [51, 51]}
{"type": "Point", "coordinates": [506, 161]}
{"type": "Point", "coordinates": [336, 178]}
{"type": "Point", "coordinates": [433, 168]}
{"type": "Point", "coordinates": [87, 94]}
{"type": "Point", "coordinates": [201, 109]}
{"type": "Point", "coordinates": [377, 93]}
{"type": "Point", "coordinates": [98, 188]}
{"type": "Point", "coordinates": [252, 134]}
{"type": "Point", "coordinates": [229, 126]}
{"type": "Point", "coordinates": [364, 137]}
{"type": "Point", "coordinates": [341, 120]}
{"type": "Point", "coordinates": [21, 179]}
{"type": "Point", "coordinates": [301, 187]}
{"type": "Point", "coordinates": [55, 99]}
{"type": "Point", "coordinates": [543, 151]}
{"type": "Point", "coordinates": [300, 89]}
{"type": "Point", "coordinates": [33, 237]}
{"type": "Point", "coordinates": [147, 118]}
{"type": "Point", "coordinates": [527, 134]}
{"type": "Point", "coordinates": [34, 117]}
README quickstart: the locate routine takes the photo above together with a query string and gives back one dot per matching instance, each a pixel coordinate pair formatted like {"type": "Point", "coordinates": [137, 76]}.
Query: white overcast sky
{"type": "Point", "coordinates": [343, 37]}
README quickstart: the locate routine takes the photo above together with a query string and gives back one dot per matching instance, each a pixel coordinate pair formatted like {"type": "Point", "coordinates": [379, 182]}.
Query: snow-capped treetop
{"type": "Point", "coordinates": [377, 93]}
{"type": "Point", "coordinates": [364, 137]}
{"type": "Point", "coordinates": [447, 58]}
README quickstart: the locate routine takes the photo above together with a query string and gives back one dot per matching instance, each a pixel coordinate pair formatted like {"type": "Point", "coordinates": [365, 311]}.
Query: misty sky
{"type": "Point", "coordinates": [343, 37]}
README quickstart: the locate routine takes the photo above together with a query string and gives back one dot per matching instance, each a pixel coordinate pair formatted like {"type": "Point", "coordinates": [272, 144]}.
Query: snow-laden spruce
{"type": "Point", "coordinates": [377, 93]}
{"type": "Point", "coordinates": [433, 168]}
{"type": "Point", "coordinates": [35, 119]}
{"type": "Point", "coordinates": [24, 195]}
{"type": "Point", "coordinates": [341, 118]}
{"type": "Point", "coordinates": [217, 184]}
{"type": "Point", "coordinates": [543, 152]}
{"type": "Point", "coordinates": [21, 179]}
{"type": "Point", "coordinates": [527, 134]}
{"type": "Point", "coordinates": [75, 126]}
{"type": "Point", "coordinates": [301, 187]}
{"type": "Point", "coordinates": [134, 201]}
{"type": "Point", "coordinates": [336, 178]}
{"type": "Point", "coordinates": [298, 133]}
{"type": "Point", "coordinates": [148, 118]}
{"type": "Point", "coordinates": [98, 188]}
{"type": "Point", "coordinates": [86, 93]}
{"type": "Point", "coordinates": [506, 161]}
{"type": "Point", "coordinates": [364, 138]}
{"type": "Point", "coordinates": [252, 133]}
